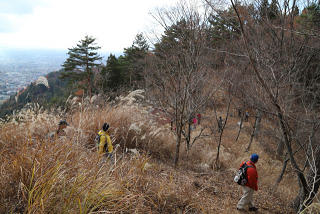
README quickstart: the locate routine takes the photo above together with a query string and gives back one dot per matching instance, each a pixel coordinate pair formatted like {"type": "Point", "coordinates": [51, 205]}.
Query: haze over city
{"type": "Point", "coordinates": [35, 34]}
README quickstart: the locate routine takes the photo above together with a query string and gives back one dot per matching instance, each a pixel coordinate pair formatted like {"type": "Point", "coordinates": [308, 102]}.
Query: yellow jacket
{"type": "Point", "coordinates": [104, 138]}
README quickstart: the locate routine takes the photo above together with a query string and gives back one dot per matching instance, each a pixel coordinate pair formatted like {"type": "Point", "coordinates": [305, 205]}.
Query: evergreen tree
{"type": "Point", "coordinates": [296, 11]}
{"type": "Point", "coordinates": [115, 72]}
{"type": "Point", "coordinates": [264, 8]}
{"type": "Point", "coordinates": [174, 36]}
{"type": "Point", "coordinates": [81, 62]}
{"type": "Point", "coordinates": [126, 71]}
{"type": "Point", "coordinates": [273, 11]}
{"type": "Point", "coordinates": [310, 17]}
{"type": "Point", "coordinates": [223, 26]}
{"type": "Point", "coordinates": [135, 57]}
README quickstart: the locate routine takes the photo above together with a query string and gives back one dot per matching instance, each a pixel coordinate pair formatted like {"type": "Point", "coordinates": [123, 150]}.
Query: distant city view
{"type": "Point", "coordinates": [18, 68]}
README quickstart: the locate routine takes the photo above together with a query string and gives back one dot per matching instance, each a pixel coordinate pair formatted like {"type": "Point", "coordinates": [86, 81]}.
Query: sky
{"type": "Point", "coordinates": [60, 24]}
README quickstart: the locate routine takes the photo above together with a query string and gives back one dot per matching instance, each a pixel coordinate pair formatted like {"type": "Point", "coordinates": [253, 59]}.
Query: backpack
{"type": "Point", "coordinates": [97, 142]}
{"type": "Point", "coordinates": [241, 176]}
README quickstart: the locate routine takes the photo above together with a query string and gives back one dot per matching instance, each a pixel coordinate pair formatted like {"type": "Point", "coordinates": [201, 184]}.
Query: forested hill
{"type": "Point", "coordinates": [37, 92]}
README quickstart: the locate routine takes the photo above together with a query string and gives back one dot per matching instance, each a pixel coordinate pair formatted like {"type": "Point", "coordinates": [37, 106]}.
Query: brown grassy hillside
{"type": "Point", "coordinates": [65, 175]}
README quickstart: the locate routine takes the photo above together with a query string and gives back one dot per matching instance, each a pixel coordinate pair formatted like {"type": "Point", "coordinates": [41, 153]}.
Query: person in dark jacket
{"type": "Point", "coordinates": [60, 132]}
{"type": "Point", "coordinates": [199, 118]}
{"type": "Point", "coordinates": [251, 185]}
{"type": "Point", "coordinates": [246, 116]}
{"type": "Point", "coordinates": [61, 129]}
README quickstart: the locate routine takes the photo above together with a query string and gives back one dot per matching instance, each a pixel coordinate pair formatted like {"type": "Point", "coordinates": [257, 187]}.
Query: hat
{"type": "Point", "coordinates": [63, 122]}
{"type": "Point", "coordinates": [105, 127]}
{"type": "Point", "coordinates": [254, 158]}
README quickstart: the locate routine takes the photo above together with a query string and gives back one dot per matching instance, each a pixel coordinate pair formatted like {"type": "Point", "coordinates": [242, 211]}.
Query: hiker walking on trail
{"type": "Point", "coordinates": [61, 130]}
{"type": "Point", "coordinates": [199, 118]}
{"type": "Point", "coordinates": [62, 125]}
{"type": "Point", "coordinates": [246, 116]}
{"type": "Point", "coordinates": [194, 121]}
{"type": "Point", "coordinates": [105, 144]}
{"type": "Point", "coordinates": [250, 186]}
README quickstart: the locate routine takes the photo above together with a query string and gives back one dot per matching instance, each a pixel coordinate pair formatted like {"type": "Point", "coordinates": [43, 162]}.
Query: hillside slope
{"type": "Point", "coordinates": [61, 175]}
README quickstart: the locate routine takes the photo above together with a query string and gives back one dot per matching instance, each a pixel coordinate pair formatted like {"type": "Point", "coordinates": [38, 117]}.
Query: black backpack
{"type": "Point", "coordinates": [241, 176]}
{"type": "Point", "coordinates": [97, 142]}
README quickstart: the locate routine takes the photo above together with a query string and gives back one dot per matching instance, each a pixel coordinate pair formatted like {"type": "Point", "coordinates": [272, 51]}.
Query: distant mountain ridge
{"type": "Point", "coordinates": [52, 96]}
{"type": "Point", "coordinates": [20, 67]}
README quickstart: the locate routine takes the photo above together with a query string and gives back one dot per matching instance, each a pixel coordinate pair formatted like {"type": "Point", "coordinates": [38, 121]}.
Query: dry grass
{"type": "Point", "coordinates": [313, 208]}
{"type": "Point", "coordinates": [65, 175]}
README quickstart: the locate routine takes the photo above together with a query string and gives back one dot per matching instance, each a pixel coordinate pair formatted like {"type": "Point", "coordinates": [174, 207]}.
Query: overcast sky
{"type": "Point", "coordinates": [59, 24]}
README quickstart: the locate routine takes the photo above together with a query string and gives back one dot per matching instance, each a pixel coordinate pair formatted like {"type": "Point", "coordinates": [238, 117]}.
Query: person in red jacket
{"type": "Point", "coordinates": [251, 186]}
{"type": "Point", "coordinates": [199, 118]}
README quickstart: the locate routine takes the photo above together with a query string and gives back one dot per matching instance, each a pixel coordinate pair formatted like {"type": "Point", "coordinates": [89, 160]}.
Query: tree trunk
{"type": "Point", "coordinates": [188, 137]}
{"type": "Point", "coordinates": [303, 185]}
{"type": "Point", "coordinates": [240, 127]}
{"type": "Point", "coordinates": [256, 124]}
{"type": "Point", "coordinates": [88, 79]}
{"type": "Point", "coordinates": [284, 166]}
{"type": "Point", "coordinates": [298, 201]}
{"type": "Point", "coordinates": [218, 151]}
{"type": "Point", "coordinates": [314, 181]}
{"type": "Point", "coordinates": [306, 195]}
{"type": "Point", "coordinates": [178, 142]}
{"type": "Point", "coordinates": [89, 87]}
{"type": "Point", "coordinates": [221, 133]}
{"type": "Point", "coordinates": [280, 147]}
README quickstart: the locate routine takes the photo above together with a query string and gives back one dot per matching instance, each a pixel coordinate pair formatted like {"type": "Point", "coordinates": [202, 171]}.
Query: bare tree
{"type": "Point", "coordinates": [280, 56]}
{"type": "Point", "coordinates": [255, 129]}
{"type": "Point", "coordinates": [179, 80]}
{"type": "Point", "coordinates": [221, 129]}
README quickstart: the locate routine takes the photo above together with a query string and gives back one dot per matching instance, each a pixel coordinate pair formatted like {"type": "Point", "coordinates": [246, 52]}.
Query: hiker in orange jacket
{"type": "Point", "coordinates": [251, 185]}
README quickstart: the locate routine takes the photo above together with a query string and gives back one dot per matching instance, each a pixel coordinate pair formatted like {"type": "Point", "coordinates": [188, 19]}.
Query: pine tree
{"type": "Point", "coordinates": [115, 72]}
{"type": "Point", "coordinates": [273, 10]}
{"type": "Point", "coordinates": [296, 11]}
{"type": "Point", "coordinates": [135, 57]}
{"type": "Point", "coordinates": [264, 7]}
{"type": "Point", "coordinates": [81, 61]}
